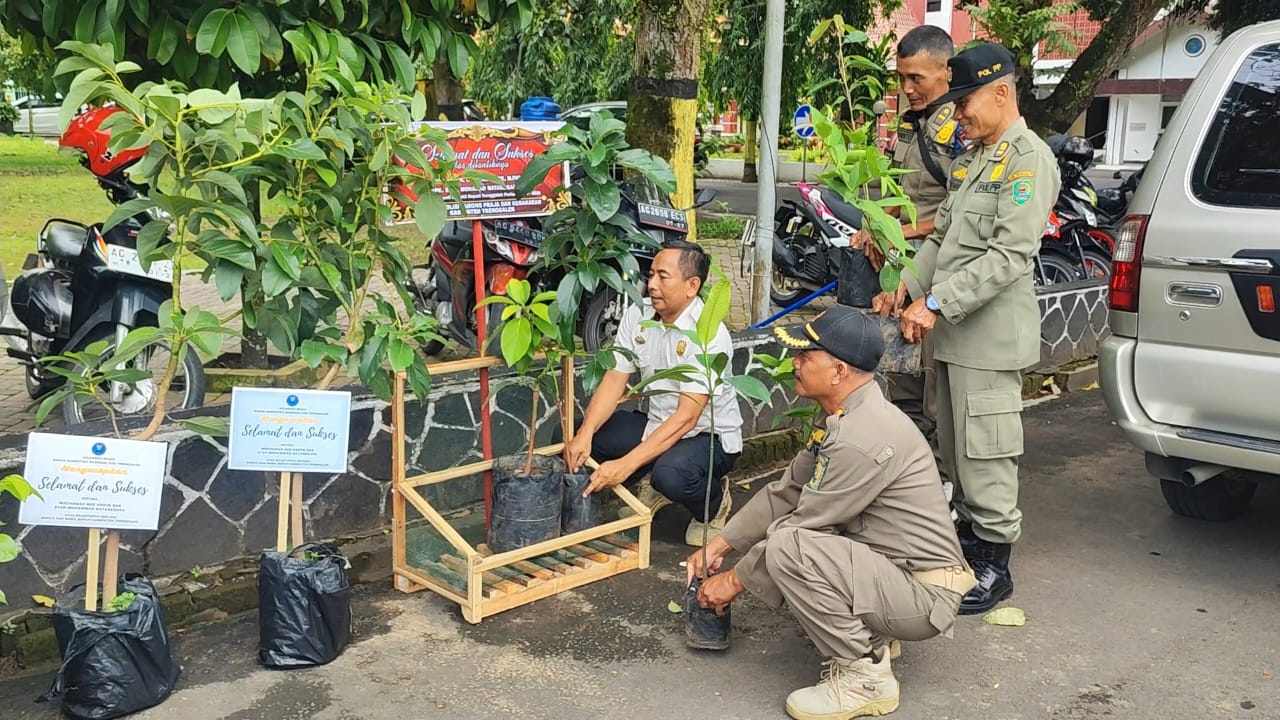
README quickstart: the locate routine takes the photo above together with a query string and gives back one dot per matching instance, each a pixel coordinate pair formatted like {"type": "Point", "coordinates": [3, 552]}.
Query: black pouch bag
{"type": "Point", "coordinates": [857, 282]}
{"type": "Point", "coordinates": [304, 606]}
{"type": "Point", "coordinates": [113, 663]}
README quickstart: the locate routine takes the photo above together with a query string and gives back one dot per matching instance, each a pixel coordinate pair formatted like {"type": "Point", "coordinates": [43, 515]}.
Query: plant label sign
{"type": "Point", "coordinates": [282, 430]}
{"type": "Point", "coordinates": [501, 149]}
{"type": "Point", "coordinates": [90, 482]}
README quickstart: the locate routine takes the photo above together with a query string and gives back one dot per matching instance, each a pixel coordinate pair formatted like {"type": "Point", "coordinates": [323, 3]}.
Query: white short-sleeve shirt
{"type": "Point", "coordinates": [660, 348]}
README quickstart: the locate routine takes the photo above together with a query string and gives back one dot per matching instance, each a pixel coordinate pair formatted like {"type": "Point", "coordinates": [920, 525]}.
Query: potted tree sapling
{"type": "Point", "coordinates": [706, 628]}
{"type": "Point", "coordinates": [527, 490]}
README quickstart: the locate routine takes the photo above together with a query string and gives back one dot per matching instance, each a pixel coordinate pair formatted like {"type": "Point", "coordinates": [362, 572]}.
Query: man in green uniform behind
{"type": "Point", "coordinates": [973, 295]}
{"type": "Point", "coordinates": [928, 141]}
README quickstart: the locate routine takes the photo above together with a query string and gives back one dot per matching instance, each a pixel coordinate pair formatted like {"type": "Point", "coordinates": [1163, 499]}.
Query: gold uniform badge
{"type": "Point", "coordinates": [681, 347]}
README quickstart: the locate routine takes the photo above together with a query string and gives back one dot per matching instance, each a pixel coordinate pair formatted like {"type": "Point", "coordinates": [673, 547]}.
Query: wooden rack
{"type": "Point", "coordinates": [467, 573]}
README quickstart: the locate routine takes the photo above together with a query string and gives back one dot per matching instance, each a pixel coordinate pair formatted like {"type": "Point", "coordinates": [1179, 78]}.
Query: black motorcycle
{"type": "Point", "coordinates": [445, 286]}
{"type": "Point", "coordinates": [1113, 203]}
{"type": "Point", "coordinates": [83, 285]}
{"type": "Point", "coordinates": [1074, 245]}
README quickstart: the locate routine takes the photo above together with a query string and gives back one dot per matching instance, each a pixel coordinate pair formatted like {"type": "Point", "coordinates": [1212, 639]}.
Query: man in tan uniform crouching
{"type": "Point", "coordinates": [856, 536]}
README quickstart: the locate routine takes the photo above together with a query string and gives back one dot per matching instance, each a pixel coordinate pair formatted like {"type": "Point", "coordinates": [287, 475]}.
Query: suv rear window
{"type": "Point", "coordinates": [1239, 162]}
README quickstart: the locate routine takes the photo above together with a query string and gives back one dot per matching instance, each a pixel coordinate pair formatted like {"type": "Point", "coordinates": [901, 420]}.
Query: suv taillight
{"type": "Point", "coordinates": [1126, 267]}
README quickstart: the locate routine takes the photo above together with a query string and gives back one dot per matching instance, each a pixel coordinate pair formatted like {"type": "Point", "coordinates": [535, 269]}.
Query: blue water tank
{"type": "Point", "coordinates": [539, 107]}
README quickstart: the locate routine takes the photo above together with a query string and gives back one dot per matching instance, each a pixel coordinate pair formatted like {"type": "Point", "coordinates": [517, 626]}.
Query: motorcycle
{"type": "Point", "coordinates": [84, 284]}
{"type": "Point", "coordinates": [1074, 246]}
{"type": "Point", "coordinates": [809, 241]}
{"type": "Point", "coordinates": [445, 286]}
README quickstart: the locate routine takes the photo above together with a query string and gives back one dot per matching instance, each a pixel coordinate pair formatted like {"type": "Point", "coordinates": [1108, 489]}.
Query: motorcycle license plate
{"type": "Point", "coordinates": [125, 260]}
{"type": "Point", "coordinates": [660, 216]}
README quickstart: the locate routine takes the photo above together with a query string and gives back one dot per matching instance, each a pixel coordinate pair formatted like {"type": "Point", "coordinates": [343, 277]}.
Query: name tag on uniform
{"type": "Point", "coordinates": [987, 187]}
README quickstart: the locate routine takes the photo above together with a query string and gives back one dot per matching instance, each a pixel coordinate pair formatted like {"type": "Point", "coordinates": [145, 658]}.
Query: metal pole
{"type": "Point", "coordinates": [762, 268]}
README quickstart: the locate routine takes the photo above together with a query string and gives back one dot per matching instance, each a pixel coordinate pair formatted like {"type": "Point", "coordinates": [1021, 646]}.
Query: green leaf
{"type": "Point", "coordinates": [202, 101]}
{"type": "Point", "coordinates": [419, 105]}
{"type": "Point", "coordinates": [213, 33]}
{"type": "Point", "coordinates": [286, 260]}
{"type": "Point", "coordinates": [518, 290]}
{"type": "Point", "coordinates": [9, 548]}
{"type": "Point", "coordinates": [208, 426]}
{"type": "Point", "coordinates": [750, 388]}
{"type": "Point", "coordinates": [538, 168]}
{"type": "Point", "coordinates": [303, 149]}
{"type": "Point", "coordinates": [406, 75]}
{"type": "Point", "coordinates": [715, 310]}
{"type": "Point", "coordinates": [430, 214]}
{"type": "Point", "coordinates": [127, 210]}
{"type": "Point", "coordinates": [517, 337]}
{"type": "Point", "coordinates": [228, 276]}
{"type": "Point", "coordinates": [400, 354]}
{"type": "Point", "coordinates": [52, 401]}
{"type": "Point", "coordinates": [243, 44]}
{"type": "Point", "coordinates": [274, 279]}
{"type": "Point", "coordinates": [17, 486]}
{"type": "Point", "coordinates": [458, 55]}
{"type": "Point", "coordinates": [149, 239]}
{"type": "Point", "coordinates": [649, 165]}
{"type": "Point", "coordinates": [603, 198]}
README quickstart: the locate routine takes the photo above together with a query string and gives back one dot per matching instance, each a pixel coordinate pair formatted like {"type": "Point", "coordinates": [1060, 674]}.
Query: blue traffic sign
{"type": "Point", "coordinates": [802, 121]}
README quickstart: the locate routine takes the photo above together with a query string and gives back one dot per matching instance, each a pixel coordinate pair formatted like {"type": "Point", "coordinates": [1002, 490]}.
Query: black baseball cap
{"type": "Point", "coordinates": [848, 334]}
{"type": "Point", "coordinates": [976, 66]}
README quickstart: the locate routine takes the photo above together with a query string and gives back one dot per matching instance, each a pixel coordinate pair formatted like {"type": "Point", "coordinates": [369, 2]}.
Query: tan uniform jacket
{"type": "Point", "coordinates": [868, 476]}
{"type": "Point", "coordinates": [978, 261]}
{"type": "Point", "coordinates": [943, 142]}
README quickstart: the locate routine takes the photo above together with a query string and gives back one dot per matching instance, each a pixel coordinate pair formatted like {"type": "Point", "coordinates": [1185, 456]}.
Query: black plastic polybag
{"type": "Point", "coordinates": [304, 606]}
{"type": "Point", "coordinates": [114, 663]}
{"type": "Point", "coordinates": [857, 282]}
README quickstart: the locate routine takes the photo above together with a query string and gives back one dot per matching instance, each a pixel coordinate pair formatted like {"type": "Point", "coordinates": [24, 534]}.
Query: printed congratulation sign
{"type": "Point", "coordinates": [289, 430]}
{"type": "Point", "coordinates": [503, 149]}
{"type": "Point", "coordinates": [90, 482]}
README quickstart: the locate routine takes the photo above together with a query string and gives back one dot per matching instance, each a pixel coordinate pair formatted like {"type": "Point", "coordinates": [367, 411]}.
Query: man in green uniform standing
{"type": "Point", "coordinates": [928, 141]}
{"type": "Point", "coordinates": [973, 296]}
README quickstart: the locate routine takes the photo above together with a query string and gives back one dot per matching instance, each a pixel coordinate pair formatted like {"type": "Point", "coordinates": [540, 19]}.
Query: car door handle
{"type": "Point", "coordinates": [1199, 294]}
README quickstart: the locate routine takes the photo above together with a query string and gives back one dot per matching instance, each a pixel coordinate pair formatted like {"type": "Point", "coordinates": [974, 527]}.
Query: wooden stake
{"type": "Point", "coordinates": [399, 554]}
{"type": "Point", "coordinates": [110, 567]}
{"type": "Point", "coordinates": [282, 514]}
{"type": "Point", "coordinates": [91, 571]}
{"type": "Point", "coordinates": [295, 509]}
{"type": "Point", "coordinates": [567, 403]}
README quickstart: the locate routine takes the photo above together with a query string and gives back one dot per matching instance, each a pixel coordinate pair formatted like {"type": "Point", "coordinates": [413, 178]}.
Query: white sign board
{"type": "Point", "coordinates": [283, 430]}
{"type": "Point", "coordinates": [91, 482]}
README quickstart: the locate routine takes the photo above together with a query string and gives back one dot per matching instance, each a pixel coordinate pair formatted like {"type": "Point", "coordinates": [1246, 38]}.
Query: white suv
{"type": "Point", "coordinates": [1192, 370]}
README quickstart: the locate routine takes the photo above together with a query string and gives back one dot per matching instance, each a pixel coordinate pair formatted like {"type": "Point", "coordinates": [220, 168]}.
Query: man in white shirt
{"type": "Point", "coordinates": [673, 440]}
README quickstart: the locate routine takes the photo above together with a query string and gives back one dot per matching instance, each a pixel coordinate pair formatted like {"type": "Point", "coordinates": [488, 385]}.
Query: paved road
{"type": "Point", "coordinates": [1134, 614]}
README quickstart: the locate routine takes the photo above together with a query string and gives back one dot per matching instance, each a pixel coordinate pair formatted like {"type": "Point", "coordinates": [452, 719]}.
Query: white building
{"type": "Point", "coordinates": [1137, 101]}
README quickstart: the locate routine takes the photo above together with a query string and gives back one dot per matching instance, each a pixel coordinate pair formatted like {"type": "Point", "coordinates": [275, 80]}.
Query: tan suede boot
{"type": "Point", "coordinates": [647, 496]}
{"type": "Point", "coordinates": [693, 534]}
{"type": "Point", "coordinates": [848, 689]}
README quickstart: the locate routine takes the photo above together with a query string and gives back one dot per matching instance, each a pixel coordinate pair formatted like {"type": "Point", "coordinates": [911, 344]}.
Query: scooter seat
{"type": "Point", "coordinates": [843, 210]}
{"type": "Point", "coordinates": [63, 239]}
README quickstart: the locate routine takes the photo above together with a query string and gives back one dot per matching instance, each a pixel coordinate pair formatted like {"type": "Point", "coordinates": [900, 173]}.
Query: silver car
{"type": "Point", "coordinates": [1192, 370]}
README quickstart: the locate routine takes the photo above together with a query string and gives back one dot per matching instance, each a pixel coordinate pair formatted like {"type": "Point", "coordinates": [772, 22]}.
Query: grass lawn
{"type": "Point", "coordinates": [38, 182]}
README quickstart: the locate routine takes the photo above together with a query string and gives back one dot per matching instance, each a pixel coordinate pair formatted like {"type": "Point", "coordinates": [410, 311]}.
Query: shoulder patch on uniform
{"type": "Point", "coordinates": [1023, 144]}
{"type": "Point", "coordinates": [885, 454]}
{"type": "Point", "coordinates": [945, 132]}
{"type": "Point", "coordinates": [1019, 174]}
{"type": "Point", "coordinates": [1022, 191]}
{"type": "Point", "coordinates": [819, 471]}
{"type": "Point", "coordinates": [1001, 150]}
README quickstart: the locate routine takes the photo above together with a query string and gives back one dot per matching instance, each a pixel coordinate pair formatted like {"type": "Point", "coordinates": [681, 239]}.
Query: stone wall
{"type": "Point", "coordinates": [211, 515]}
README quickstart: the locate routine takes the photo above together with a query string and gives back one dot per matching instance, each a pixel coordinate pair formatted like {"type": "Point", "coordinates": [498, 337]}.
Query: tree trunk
{"type": "Point", "coordinates": [663, 105]}
{"type": "Point", "coordinates": [446, 93]}
{"type": "Point", "coordinates": [749, 147]}
{"type": "Point", "coordinates": [1074, 93]}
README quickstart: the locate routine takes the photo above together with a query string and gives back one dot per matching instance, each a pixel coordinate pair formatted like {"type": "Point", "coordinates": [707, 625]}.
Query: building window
{"type": "Point", "coordinates": [933, 6]}
{"type": "Point", "coordinates": [1239, 161]}
{"type": "Point", "coordinates": [1194, 45]}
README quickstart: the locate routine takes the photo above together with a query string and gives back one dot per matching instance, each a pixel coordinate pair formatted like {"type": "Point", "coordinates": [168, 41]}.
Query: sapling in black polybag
{"type": "Point", "coordinates": [117, 661]}
{"type": "Point", "coordinates": [304, 606]}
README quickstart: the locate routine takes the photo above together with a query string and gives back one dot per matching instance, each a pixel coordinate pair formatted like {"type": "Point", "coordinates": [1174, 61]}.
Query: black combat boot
{"type": "Point", "coordinates": [990, 563]}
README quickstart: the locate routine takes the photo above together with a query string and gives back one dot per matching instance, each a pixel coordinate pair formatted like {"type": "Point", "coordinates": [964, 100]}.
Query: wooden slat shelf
{"type": "Point", "coordinates": [484, 583]}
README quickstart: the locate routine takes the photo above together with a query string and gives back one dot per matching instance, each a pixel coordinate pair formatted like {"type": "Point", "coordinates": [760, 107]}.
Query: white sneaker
{"type": "Point", "coordinates": [693, 535]}
{"type": "Point", "coordinates": [848, 689]}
